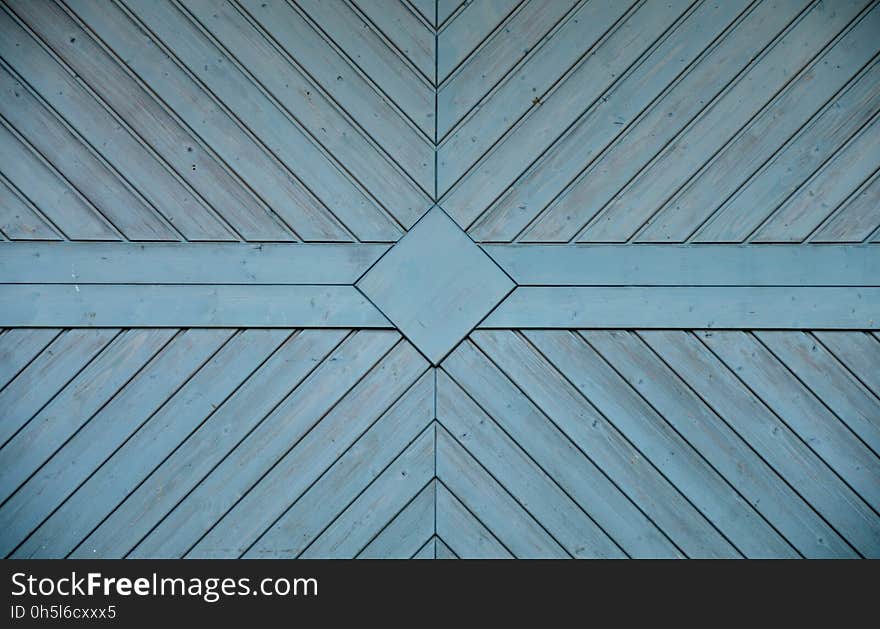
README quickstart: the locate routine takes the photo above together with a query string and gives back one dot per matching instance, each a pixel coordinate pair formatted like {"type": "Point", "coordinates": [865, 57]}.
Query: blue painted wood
{"type": "Point", "coordinates": [689, 307]}
{"type": "Point", "coordinates": [688, 265]}
{"type": "Point", "coordinates": [190, 263]}
{"type": "Point", "coordinates": [163, 305]}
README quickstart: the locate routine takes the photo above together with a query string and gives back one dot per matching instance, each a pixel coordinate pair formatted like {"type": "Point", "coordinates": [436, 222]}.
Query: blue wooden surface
{"type": "Point", "coordinates": [641, 319]}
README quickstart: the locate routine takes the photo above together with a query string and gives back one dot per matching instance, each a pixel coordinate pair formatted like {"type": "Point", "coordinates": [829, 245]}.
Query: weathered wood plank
{"type": "Point", "coordinates": [595, 186]}
{"type": "Point", "coordinates": [427, 551]}
{"type": "Point", "coordinates": [544, 114]}
{"type": "Point", "coordinates": [18, 347]}
{"type": "Point", "coordinates": [597, 436]}
{"type": "Point", "coordinates": [75, 404]}
{"type": "Point", "coordinates": [857, 219]}
{"type": "Point", "coordinates": [798, 407]}
{"type": "Point", "coordinates": [274, 183]}
{"type": "Point", "coordinates": [859, 352]}
{"type": "Point", "coordinates": [105, 433]}
{"type": "Point", "coordinates": [470, 538]}
{"type": "Point", "coordinates": [404, 534]}
{"type": "Point", "coordinates": [732, 456]}
{"type": "Point", "coordinates": [807, 473]}
{"type": "Point", "coordinates": [347, 152]}
{"type": "Point", "coordinates": [318, 442]}
{"type": "Point", "coordinates": [19, 220]}
{"type": "Point", "coordinates": [689, 307]}
{"type": "Point", "coordinates": [496, 59]}
{"type": "Point", "coordinates": [353, 529]}
{"type": "Point", "coordinates": [178, 145]}
{"type": "Point", "coordinates": [573, 532]}
{"type": "Point", "coordinates": [827, 189]}
{"type": "Point", "coordinates": [442, 551]}
{"type": "Point", "coordinates": [610, 117]}
{"type": "Point", "coordinates": [116, 142]}
{"type": "Point", "coordinates": [761, 82]}
{"type": "Point", "coordinates": [163, 305]}
{"type": "Point", "coordinates": [155, 440]}
{"type": "Point", "coordinates": [190, 263]}
{"type": "Point", "coordinates": [781, 119]}
{"type": "Point", "coordinates": [50, 192]}
{"type": "Point", "coordinates": [829, 381]}
{"type": "Point", "coordinates": [237, 473]}
{"type": "Point", "coordinates": [378, 115]}
{"type": "Point", "coordinates": [676, 459]}
{"type": "Point", "coordinates": [92, 177]}
{"type": "Point", "coordinates": [583, 474]}
{"type": "Point", "coordinates": [464, 33]}
{"type": "Point", "coordinates": [404, 30]}
{"type": "Point", "coordinates": [413, 95]}
{"type": "Point", "coordinates": [47, 374]}
{"type": "Point", "coordinates": [687, 265]}
{"type": "Point", "coordinates": [343, 481]}
{"type": "Point", "coordinates": [169, 483]}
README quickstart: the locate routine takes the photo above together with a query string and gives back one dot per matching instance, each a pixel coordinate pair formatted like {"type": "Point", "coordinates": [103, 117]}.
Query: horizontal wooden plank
{"type": "Point", "coordinates": [689, 265]}
{"type": "Point", "coordinates": [162, 305]}
{"type": "Point", "coordinates": [689, 307]}
{"type": "Point", "coordinates": [185, 263]}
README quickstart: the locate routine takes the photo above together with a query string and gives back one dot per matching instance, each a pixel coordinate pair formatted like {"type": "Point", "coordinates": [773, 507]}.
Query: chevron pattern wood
{"type": "Point", "coordinates": [439, 279]}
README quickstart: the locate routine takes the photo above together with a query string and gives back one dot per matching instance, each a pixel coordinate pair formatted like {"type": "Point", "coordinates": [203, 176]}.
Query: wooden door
{"type": "Point", "coordinates": [403, 278]}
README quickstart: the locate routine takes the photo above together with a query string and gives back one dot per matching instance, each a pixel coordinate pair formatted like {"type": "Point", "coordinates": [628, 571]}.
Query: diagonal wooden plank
{"type": "Point", "coordinates": [610, 117]}
{"type": "Point", "coordinates": [762, 137]}
{"type": "Point", "coordinates": [404, 30]}
{"type": "Point", "coordinates": [722, 446]}
{"type": "Point", "coordinates": [406, 531]}
{"type": "Point", "coordinates": [95, 442]}
{"type": "Point", "coordinates": [76, 403]}
{"type": "Point", "coordinates": [581, 474]}
{"type": "Point", "coordinates": [634, 205]}
{"type": "Point", "coordinates": [19, 219]}
{"type": "Point", "coordinates": [61, 532]}
{"type": "Point", "coordinates": [857, 219]}
{"type": "Point", "coordinates": [91, 176]}
{"type": "Point", "coordinates": [49, 191]}
{"type": "Point", "coordinates": [427, 551]}
{"type": "Point", "coordinates": [206, 305]}
{"type": "Point", "coordinates": [687, 265]}
{"type": "Point", "coordinates": [464, 532]}
{"type": "Point", "coordinates": [169, 483]}
{"type": "Point", "coordinates": [798, 407]}
{"type": "Point", "coordinates": [498, 57]}
{"type": "Point", "coordinates": [109, 135]}
{"type": "Point", "coordinates": [195, 104]}
{"type": "Point", "coordinates": [379, 116]}
{"type": "Point", "coordinates": [200, 166]}
{"type": "Point", "coordinates": [386, 496]}
{"type": "Point", "coordinates": [349, 476]}
{"type": "Point", "coordinates": [829, 381]}
{"type": "Point", "coordinates": [47, 374]}
{"type": "Point", "coordinates": [595, 186]}
{"type": "Point", "coordinates": [858, 351]}
{"type": "Point", "coordinates": [442, 550]}
{"type": "Point", "coordinates": [189, 263]}
{"type": "Point", "coordinates": [314, 448]}
{"type": "Point", "coordinates": [541, 518]}
{"type": "Point", "coordinates": [219, 491]}
{"type": "Point", "coordinates": [344, 145]}
{"type": "Point", "coordinates": [347, 30]}
{"type": "Point", "coordinates": [458, 39]}
{"type": "Point", "coordinates": [688, 307]}
{"type": "Point", "coordinates": [674, 457]}
{"type": "Point", "coordinates": [827, 189]}
{"type": "Point", "coordinates": [770, 437]}
{"type": "Point", "coordinates": [18, 347]}
{"type": "Point", "coordinates": [541, 116]}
